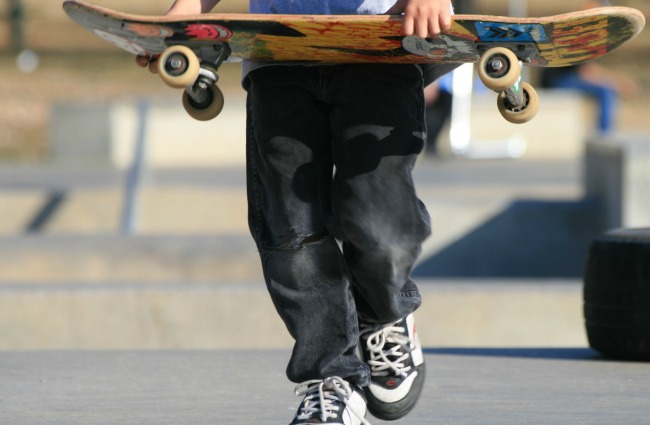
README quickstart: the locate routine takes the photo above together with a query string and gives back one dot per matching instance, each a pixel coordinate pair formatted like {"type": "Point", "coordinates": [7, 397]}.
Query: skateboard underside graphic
{"type": "Point", "coordinates": [192, 48]}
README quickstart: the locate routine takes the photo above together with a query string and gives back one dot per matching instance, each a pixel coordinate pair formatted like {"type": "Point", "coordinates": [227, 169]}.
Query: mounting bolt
{"type": "Point", "coordinates": [176, 63]}
{"type": "Point", "coordinates": [496, 65]}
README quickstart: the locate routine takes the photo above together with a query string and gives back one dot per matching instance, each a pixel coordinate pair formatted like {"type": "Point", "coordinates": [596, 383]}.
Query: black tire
{"type": "Point", "coordinates": [617, 294]}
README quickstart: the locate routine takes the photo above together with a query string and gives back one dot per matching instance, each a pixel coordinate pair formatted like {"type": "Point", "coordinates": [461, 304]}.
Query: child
{"type": "Point", "coordinates": [330, 150]}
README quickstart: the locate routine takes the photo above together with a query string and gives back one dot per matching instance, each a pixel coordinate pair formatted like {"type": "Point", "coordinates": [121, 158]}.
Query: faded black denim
{"type": "Point", "coordinates": [332, 206]}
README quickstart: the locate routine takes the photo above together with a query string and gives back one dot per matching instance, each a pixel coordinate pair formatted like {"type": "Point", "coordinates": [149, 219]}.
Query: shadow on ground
{"type": "Point", "coordinates": [530, 238]}
{"type": "Point", "coordinates": [550, 353]}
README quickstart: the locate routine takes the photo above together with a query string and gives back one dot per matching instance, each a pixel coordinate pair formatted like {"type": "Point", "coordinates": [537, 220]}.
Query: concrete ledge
{"type": "Point", "coordinates": [617, 177]}
{"type": "Point", "coordinates": [106, 134]}
{"type": "Point", "coordinates": [556, 133]}
{"type": "Point", "coordinates": [138, 316]}
{"type": "Point", "coordinates": [128, 258]}
{"type": "Point", "coordinates": [114, 315]}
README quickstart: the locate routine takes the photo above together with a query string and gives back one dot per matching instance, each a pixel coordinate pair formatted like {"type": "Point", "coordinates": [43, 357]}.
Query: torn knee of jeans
{"type": "Point", "coordinates": [298, 241]}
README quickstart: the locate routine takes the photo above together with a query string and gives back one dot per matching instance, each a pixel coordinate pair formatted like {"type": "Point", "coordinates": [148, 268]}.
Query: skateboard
{"type": "Point", "coordinates": [191, 48]}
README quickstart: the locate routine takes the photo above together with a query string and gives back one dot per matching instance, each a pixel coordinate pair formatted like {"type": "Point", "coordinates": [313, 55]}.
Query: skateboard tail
{"type": "Point", "coordinates": [583, 42]}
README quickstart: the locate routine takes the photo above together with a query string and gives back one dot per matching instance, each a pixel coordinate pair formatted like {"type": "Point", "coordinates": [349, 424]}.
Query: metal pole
{"type": "Point", "coordinates": [518, 8]}
{"type": "Point", "coordinates": [16, 18]}
{"type": "Point", "coordinates": [134, 176]}
{"type": "Point", "coordinates": [460, 136]}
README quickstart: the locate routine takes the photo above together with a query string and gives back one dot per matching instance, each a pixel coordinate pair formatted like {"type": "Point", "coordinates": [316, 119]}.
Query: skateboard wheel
{"type": "Point", "coordinates": [617, 294]}
{"type": "Point", "coordinates": [207, 110]}
{"type": "Point", "coordinates": [178, 66]}
{"type": "Point", "coordinates": [522, 114]}
{"type": "Point", "coordinates": [499, 69]}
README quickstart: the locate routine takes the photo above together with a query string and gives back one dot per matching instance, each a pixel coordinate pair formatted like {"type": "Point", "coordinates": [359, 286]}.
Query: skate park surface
{"type": "Point", "coordinates": [171, 323]}
{"type": "Point", "coordinates": [463, 386]}
{"type": "Point", "coordinates": [176, 327]}
{"type": "Point", "coordinates": [166, 320]}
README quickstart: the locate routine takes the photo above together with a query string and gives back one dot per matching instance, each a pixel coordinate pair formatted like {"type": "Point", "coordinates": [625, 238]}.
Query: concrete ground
{"type": "Point", "coordinates": [92, 323]}
{"type": "Point", "coordinates": [463, 386]}
{"type": "Point", "coordinates": [101, 328]}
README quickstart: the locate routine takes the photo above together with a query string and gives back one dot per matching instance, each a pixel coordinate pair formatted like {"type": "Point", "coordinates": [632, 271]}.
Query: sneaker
{"type": "Point", "coordinates": [330, 401]}
{"type": "Point", "coordinates": [396, 362]}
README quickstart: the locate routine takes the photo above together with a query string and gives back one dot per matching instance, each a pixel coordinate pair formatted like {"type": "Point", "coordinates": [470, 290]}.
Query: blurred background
{"type": "Point", "coordinates": [70, 65]}
{"type": "Point", "coordinates": [123, 221]}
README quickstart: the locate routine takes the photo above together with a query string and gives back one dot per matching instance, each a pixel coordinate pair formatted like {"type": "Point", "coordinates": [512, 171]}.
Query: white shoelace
{"type": "Point", "coordinates": [322, 397]}
{"type": "Point", "coordinates": [379, 362]}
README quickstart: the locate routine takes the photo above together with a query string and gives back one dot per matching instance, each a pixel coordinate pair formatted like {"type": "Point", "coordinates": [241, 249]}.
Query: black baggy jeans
{"type": "Point", "coordinates": [332, 205]}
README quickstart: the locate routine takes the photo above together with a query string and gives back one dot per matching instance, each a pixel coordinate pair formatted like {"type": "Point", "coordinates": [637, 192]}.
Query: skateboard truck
{"type": "Point", "coordinates": [500, 70]}
{"type": "Point", "coordinates": [179, 67]}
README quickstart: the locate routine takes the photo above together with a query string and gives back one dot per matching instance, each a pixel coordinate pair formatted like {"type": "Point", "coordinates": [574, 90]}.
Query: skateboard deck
{"type": "Point", "coordinates": [561, 40]}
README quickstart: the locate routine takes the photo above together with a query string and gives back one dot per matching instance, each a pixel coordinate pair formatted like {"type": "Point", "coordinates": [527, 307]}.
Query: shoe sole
{"type": "Point", "coordinates": [398, 409]}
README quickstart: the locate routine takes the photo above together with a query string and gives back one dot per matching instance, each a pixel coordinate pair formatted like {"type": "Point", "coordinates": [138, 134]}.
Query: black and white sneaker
{"type": "Point", "coordinates": [396, 362]}
{"type": "Point", "coordinates": [330, 401]}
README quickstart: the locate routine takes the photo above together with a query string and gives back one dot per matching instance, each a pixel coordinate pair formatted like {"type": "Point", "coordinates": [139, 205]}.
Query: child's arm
{"type": "Point", "coordinates": [424, 17]}
{"type": "Point", "coordinates": [192, 7]}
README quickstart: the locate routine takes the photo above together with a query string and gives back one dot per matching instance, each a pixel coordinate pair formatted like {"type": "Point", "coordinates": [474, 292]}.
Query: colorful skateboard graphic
{"type": "Point", "coordinates": [192, 48]}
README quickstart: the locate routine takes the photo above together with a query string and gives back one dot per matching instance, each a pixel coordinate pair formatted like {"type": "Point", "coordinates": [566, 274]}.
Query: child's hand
{"type": "Point", "coordinates": [424, 17]}
{"type": "Point", "coordinates": [147, 62]}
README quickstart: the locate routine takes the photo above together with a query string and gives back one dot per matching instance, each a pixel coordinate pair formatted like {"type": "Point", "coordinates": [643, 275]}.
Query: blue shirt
{"type": "Point", "coordinates": [321, 7]}
{"type": "Point", "coordinates": [313, 7]}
